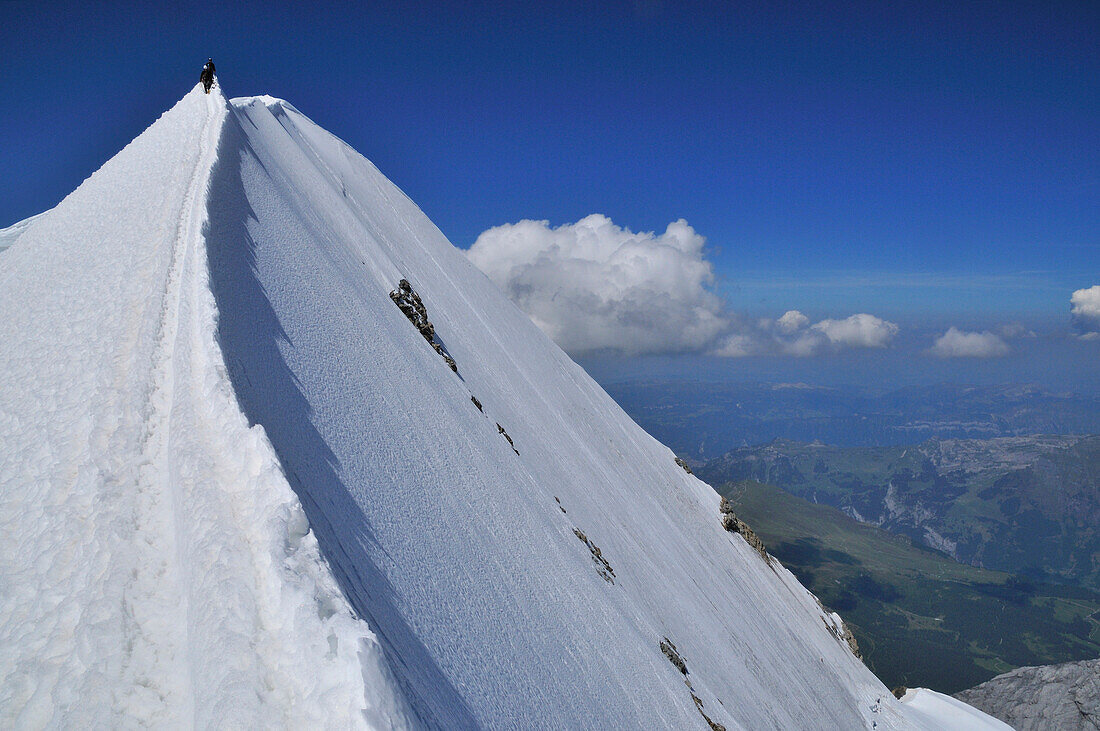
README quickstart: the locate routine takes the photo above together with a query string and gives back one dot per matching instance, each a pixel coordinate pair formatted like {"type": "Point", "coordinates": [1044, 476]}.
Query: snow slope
{"type": "Point", "coordinates": [934, 710]}
{"type": "Point", "coordinates": [157, 569]}
{"type": "Point", "coordinates": [202, 335]}
{"type": "Point", "coordinates": [460, 550]}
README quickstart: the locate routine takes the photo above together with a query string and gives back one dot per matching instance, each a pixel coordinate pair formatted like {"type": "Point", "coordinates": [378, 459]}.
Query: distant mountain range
{"type": "Point", "coordinates": [703, 420]}
{"type": "Point", "coordinates": [1027, 505]}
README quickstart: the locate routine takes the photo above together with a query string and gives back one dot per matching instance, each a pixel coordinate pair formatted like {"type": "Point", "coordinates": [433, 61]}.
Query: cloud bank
{"type": "Point", "coordinates": [593, 285]}
{"type": "Point", "coordinates": [1085, 311]}
{"type": "Point", "coordinates": [957, 343]}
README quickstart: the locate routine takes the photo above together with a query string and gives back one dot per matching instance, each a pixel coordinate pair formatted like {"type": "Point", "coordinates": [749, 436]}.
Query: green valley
{"type": "Point", "coordinates": [1027, 504]}
{"type": "Point", "coordinates": [921, 618]}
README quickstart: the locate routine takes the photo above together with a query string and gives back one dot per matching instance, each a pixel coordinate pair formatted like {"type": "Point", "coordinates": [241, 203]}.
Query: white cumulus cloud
{"type": "Point", "coordinates": [592, 285]}
{"type": "Point", "coordinates": [957, 343]}
{"type": "Point", "coordinates": [794, 335]}
{"type": "Point", "coordinates": [858, 331]}
{"type": "Point", "coordinates": [791, 322]}
{"type": "Point", "coordinates": [1085, 310]}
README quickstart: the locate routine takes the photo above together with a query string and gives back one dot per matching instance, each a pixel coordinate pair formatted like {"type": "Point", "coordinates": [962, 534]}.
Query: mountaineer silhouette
{"type": "Point", "coordinates": [207, 76]}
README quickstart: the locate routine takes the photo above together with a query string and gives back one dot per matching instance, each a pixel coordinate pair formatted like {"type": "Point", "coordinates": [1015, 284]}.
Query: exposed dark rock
{"type": "Point", "coordinates": [477, 404]}
{"type": "Point", "coordinates": [560, 506]}
{"type": "Point", "coordinates": [673, 656]}
{"type": "Point", "coordinates": [410, 304]}
{"type": "Point", "coordinates": [450, 361]}
{"type": "Point", "coordinates": [899, 691]}
{"type": "Point", "coordinates": [676, 659]}
{"type": "Point", "coordinates": [714, 725]}
{"type": "Point", "coordinates": [603, 568]}
{"type": "Point", "coordinates": [500, 429]}
{"type": "Point", "coordinates": [683, 465]}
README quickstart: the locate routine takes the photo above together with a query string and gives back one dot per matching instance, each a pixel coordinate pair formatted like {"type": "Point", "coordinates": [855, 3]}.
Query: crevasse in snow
{"type": "Point", "coordinates": [206, 325]}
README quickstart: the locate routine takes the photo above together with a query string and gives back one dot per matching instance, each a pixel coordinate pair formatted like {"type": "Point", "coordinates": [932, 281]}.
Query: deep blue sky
{"type": "Point", "coordinates": [936, 160]}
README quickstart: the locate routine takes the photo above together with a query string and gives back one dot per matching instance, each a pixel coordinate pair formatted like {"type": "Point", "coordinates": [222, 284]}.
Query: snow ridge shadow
{"type": "Point", "coordinates": [251, 335]}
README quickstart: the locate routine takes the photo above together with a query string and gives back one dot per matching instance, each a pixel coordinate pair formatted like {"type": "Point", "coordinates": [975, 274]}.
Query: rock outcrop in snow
{"type": "Point", "coordinates": [412, 306]}
{"type": "Point", "coordinates": [202, 352]}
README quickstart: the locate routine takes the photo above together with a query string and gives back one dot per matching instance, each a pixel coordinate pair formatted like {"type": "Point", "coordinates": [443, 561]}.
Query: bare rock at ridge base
{"type": "Point", "coordinates": [834, 623]}
{"type": "Point", "coordinates": [733, 524]}
{"type": "Point", "coordinates": [850, 640]}
{"type": "Point", "coordinates": [1064, 697]}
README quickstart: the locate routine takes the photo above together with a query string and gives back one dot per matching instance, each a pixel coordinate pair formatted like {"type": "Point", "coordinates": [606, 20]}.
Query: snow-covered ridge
{"type": "Point", "coordinates": [9, 235]}
{"type": "Point", "coordinates": [201, 342]}
{"type": "Point", "coordinates": [158, 569]}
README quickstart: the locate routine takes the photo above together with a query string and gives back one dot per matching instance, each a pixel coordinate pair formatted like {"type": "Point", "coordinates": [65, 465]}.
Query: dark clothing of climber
{"type": "Point", "coordinates": [207, 77]}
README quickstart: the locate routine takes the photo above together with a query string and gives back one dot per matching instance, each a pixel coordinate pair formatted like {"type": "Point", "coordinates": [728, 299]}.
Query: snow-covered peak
{"type": "Point", "coordinates": [239, 324]}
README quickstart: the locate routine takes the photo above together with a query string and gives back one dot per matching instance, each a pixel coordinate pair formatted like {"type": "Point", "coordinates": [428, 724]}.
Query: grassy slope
{"type": "Point", "coordinates": [921, 618]}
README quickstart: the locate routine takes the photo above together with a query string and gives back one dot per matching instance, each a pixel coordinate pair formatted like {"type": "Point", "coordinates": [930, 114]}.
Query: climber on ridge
{"type": "Point", "coordinates": [207, 77]}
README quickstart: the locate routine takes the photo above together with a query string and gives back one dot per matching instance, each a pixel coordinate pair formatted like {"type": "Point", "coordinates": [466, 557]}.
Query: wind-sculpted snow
{"type": "Point", "coordinates": [525, 582]}
{"type": "Point", "coordinates": [157, 569]}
